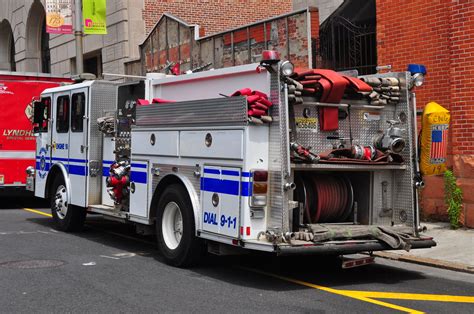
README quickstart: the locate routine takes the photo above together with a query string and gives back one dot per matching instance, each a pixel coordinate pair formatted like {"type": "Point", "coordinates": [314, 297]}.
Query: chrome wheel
{"type": "Point", "coordinates": [172, 225]}
{"type": "Point", "coordinates": [60, 201]}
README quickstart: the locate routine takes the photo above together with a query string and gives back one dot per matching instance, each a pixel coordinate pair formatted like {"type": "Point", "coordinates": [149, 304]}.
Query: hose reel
{"type": "Point", "coordinates": [325, 197]}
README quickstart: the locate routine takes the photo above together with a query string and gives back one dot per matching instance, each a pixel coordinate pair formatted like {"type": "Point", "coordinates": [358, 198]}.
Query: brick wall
{"type": "Point", "coordinates": [462, 100]}
{"type": "Point", "coordinates": [174, 40]}
{"type": "Point", "coordinates": [439, 34]}
{"type": "Point", "coordinates": [215, 15]}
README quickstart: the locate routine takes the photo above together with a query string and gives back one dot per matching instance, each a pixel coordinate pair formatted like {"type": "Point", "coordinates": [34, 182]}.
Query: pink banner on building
{"type": "Point", "coordinates": [59, 16]}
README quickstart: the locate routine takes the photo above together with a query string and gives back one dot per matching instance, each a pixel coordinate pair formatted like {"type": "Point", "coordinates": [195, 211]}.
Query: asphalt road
{"type": "Point", "coordinates": [107, 268]}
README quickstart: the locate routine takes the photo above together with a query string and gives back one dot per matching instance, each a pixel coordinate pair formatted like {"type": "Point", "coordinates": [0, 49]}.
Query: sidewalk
{"type": "Point", "coordinates": [454, 250]}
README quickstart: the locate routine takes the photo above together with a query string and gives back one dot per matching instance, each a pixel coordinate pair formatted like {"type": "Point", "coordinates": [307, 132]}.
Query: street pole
{"type": "Point", "coordinates": [78, 36]}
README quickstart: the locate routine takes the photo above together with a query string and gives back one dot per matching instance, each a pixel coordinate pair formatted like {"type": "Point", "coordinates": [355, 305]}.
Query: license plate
{"type": "Point", "coordinates": [2, 179]}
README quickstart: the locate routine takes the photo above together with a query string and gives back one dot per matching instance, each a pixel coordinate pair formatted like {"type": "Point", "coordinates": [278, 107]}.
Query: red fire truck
{"type": "Point", "coordinates": [17, 143]}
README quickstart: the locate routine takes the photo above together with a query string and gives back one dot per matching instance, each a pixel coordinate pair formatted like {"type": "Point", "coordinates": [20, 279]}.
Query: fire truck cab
{"type": "Point", "coordinates": [198, 161]}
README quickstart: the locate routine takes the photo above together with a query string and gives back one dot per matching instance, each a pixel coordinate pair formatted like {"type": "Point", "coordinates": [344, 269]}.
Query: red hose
{"type": "Point", "coordinates": [327, 198]}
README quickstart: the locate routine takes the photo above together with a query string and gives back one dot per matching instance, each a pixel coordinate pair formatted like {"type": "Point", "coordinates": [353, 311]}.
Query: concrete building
{"type": "Point", "coordinates": [325, 7]}
{"type": "Point", "coordinates": [25, 45]}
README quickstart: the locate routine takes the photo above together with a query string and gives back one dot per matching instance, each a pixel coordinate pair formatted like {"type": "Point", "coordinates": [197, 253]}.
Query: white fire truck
{"type": "Point", "coordinates": [252, 157]}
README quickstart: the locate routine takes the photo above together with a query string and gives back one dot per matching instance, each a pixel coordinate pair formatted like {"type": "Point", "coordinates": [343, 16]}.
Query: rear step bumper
{"type": "Point", "coordinates": [348, 248]}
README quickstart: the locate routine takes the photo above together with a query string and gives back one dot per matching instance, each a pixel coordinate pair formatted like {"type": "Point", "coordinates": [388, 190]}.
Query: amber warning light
{"type": "Point", "coordinates": [259, 188]}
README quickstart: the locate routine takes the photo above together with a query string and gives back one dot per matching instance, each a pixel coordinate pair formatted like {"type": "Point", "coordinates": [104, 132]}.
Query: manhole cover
{"type": "Point", "coordinates": [33, 263]}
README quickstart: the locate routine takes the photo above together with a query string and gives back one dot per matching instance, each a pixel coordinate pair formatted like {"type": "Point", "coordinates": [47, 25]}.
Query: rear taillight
{"type": "Point", "coordinates": [259, 188]}
{"type": "Point", "coordinates": [260, 176]}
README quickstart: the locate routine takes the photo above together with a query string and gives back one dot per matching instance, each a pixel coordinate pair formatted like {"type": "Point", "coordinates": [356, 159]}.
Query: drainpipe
{"type": "Point", "coordinates": [78, 36]}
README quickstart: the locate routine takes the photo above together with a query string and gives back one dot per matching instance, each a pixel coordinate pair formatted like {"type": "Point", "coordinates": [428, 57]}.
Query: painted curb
{"type": "Point", "coordinates": [427, 261]}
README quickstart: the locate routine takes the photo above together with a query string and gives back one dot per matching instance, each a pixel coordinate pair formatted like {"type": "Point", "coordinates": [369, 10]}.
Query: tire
{"type": "Point", "coordinates": [175, 228]}
{"type": "Point", "coordinates": [67, 217]}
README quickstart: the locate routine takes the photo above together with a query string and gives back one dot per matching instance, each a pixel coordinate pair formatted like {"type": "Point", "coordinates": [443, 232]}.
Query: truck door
{"type": "Point", "coordinates": [78, 162]}
{"type": "Point", "coordinates": [220, 197]}
{"type": "Point", "coordinates": [60, 129]}
{"type": "Point", "coordinates": [43, 144]}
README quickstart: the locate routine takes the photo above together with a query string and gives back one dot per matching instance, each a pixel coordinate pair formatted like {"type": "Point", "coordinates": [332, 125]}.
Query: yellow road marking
{"type": "Point", "coordinates": [98, 229]}
{"type": "Point", "coordinates": [414, 296]}
{"type": "Point", "coordinates": [37, 212]}
{"type": "Point", "coordinates": [384, 304]}
{"type": "Point", "coordinates": [359, 295]}
{"type": "Point", "coordinates": [335, 291]}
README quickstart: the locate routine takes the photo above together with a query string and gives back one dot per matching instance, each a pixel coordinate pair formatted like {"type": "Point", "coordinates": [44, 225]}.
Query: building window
{"type": "Point", "coordinates": [12, 55]}
{"type": "Point", "coordinates": [7, 47]}
{"type": "Point", "coordinates": [77, 112]}
{"type": "Point", "coordinates": [62, 114]}
{"type": "Point", "coordinates": [45, 53]}
{"type": "Point", "coordinates": [93, 63]}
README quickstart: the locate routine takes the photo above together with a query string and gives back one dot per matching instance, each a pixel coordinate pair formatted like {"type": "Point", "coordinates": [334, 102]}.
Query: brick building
{"type": "Point", "coordinates": [214, 16]}
{"type": "Point", "coordinates": [172, 40]}
{"type": "Point", "coordinates": [25, 46]}
{"type": "Point", "coordinates": [439, 34]}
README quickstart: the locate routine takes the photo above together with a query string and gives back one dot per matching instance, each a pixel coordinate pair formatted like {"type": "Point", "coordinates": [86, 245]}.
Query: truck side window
{"type": "Point", "coordinates": [46, 107]}
{"type": "Point", "coordinates": [77, 112]}
{"type": "Point", "coordinates": [62, 114]}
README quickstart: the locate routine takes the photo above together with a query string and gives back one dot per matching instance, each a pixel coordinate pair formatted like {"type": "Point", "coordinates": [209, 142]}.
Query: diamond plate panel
{"type": "Point", "coordinates": [403, 183]}
{"type": "Point", "coordinates": [230, 111]}
{"type": "Point", "coordinates": [363, 133]}
{"type": "Point", "coordinates": [103, 99]}
{"type": "Point", "coordinates": [279, 164]}
{"type": "Point", "coordinates": [378, 217]}
{"type": "Point", "coordinates": [404, 192]}
{"type": "Point", "coordinates": [186, 171]}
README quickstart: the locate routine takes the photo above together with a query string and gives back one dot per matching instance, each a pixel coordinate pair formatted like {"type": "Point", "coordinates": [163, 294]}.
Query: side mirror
{"type": "Point", "coordinates": [38, 113]}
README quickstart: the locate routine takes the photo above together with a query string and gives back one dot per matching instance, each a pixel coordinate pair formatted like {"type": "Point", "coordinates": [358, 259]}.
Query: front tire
{"type": "Point", "coordinates": [175, 228]}
{"type": "Point", "coordinates": [67, 217]}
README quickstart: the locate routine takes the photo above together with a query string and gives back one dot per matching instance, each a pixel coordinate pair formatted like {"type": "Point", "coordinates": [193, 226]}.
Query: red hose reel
{"type": "Point", "coordinates": [325, 197]}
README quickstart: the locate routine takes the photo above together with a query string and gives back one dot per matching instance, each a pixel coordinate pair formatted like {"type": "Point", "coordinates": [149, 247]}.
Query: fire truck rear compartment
{"type": "Point", "coordinates": [332, 197]}
{"type": "Point", "coordinates": [342, 199]}
{"type": "Point", "coordinates": [344, 212]}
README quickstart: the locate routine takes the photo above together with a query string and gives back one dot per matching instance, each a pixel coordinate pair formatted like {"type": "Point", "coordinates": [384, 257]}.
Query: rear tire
{"type": "Point", "coordinates": [67, 217]}
{"type": "Point", "coordinates": [175, 228]}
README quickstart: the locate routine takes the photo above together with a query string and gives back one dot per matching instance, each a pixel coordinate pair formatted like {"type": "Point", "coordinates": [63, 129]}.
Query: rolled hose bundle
{"type": "Point", "coordinates": [258, 105]}
{"type": "Point", "coordinates": [106, 125]}
{"type": "Point", "coordinates": [325, 198]}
